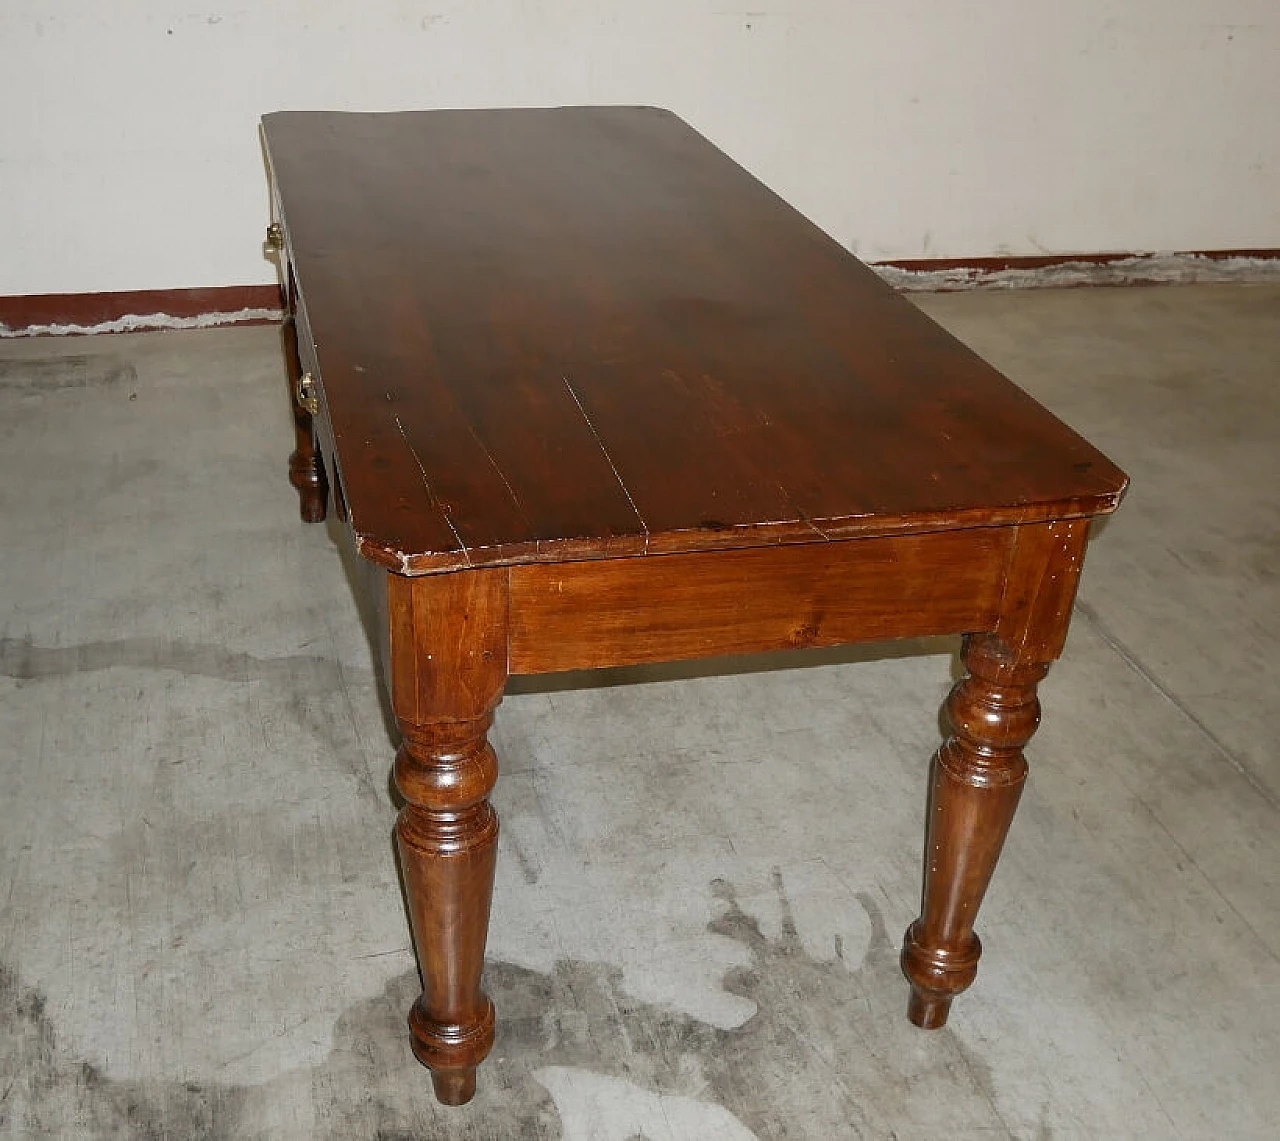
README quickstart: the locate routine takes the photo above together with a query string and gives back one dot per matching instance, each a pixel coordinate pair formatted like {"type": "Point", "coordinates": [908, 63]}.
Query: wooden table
{"type": "Point", "coordinates": [588, 394]}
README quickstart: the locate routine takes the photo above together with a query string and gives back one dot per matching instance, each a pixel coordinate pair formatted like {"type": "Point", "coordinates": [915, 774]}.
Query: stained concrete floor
{"type": "Point", "coordinates": [705, 871]}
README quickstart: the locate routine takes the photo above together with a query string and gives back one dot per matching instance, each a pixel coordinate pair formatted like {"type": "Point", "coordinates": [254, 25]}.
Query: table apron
{"type": "Point", "coordinates": [619, 612]}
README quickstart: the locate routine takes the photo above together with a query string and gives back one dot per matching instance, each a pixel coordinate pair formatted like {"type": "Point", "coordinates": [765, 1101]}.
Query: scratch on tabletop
{"type": "Point", "coordinates": [430, 493]}
{"type": "Point", "coordinates": [801, 517]}
{"type": "Point", "coordinates": [608, 459]}
{"type": "Point", "coordinates": [505, 483]}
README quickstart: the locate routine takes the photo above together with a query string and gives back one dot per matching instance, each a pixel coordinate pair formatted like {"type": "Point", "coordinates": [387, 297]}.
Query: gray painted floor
{"type": "Point", "coordinates": [705, 871]}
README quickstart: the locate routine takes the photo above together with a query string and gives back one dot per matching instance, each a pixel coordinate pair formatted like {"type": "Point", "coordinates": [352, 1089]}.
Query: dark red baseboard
{"type": "Point", "coordinates": [87, 310]}
{"type": "Point", "coordinates": [1086, 269]}
{"type": "Point", "coordinates": [260, 304]}
{"type": "Point", "coordinates": [1047, 261]}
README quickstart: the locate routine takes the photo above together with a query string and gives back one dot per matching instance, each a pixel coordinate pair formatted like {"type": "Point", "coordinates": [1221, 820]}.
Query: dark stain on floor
{"type": "Point", "coordinates": [823, 1057]}
{"type": "Point", "coordinates": [43, 1093]}
{"type": "Point", "coordinates": [75, 371]}
{"type": "Point", "coordinates": [22, 660]}
{"type": "Point", "coordinates": [308, 680]}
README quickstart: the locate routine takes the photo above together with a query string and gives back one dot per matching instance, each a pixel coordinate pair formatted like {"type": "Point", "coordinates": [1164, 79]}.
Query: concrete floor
{"type": "Point", "coordinates": [696, 924]}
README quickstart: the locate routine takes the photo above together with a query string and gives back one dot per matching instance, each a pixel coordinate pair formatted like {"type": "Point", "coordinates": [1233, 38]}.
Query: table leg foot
{"type": "Point", "coordinates": [977, 779]}
{"type": "Point", "coordinates": [928, 1012]}
{"type": "Point", "coordinates": [454, 1087]}
{"type": "Point", "coordinates": [438, 1047]}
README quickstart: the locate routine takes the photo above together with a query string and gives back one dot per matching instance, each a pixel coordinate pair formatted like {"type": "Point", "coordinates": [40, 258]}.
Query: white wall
{"type": "Point", "coordinates": [129, 156]}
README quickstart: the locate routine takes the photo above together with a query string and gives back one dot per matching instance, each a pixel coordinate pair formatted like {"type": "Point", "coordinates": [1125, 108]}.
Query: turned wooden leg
{"type": "Point", "coordinates": [448, 666]}
{"type": "Point", "coordinates": [977, 778]}
{"type": "Point", "coordinates": [448, 841]}
{"type": "Point", "coordinates": [978, 774]}
{"type": "Point", "coordinates": [306, 468]}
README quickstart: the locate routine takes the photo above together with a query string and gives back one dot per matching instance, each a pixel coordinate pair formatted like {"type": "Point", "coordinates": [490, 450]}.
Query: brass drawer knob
{"type": "Point", "coordinates": [307, 394]}
{"type": "Point", "coordinates": [275, 238]}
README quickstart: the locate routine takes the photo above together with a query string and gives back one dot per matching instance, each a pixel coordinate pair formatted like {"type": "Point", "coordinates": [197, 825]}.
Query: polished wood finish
{"type": "Point", "coordinates": [586, 332]}
{"type": "Point", "coordinates": [593, 396]}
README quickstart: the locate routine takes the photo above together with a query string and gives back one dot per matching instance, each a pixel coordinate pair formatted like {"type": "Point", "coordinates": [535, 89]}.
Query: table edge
{"type": "Point", "coordinates": [791, 533]}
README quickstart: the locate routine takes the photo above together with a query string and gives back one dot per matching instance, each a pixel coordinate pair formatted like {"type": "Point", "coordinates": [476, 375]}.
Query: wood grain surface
{"type": "Point", "coordinates": [582, 615]}
{"type": "Point", "coordinates": [573, 333]}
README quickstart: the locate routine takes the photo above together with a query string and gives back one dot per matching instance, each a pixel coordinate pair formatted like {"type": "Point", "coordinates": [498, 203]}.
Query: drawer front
{"type": "Point", "coordinates": [306, 343]}
{"type": "Point", "coordinates": [320, 422]}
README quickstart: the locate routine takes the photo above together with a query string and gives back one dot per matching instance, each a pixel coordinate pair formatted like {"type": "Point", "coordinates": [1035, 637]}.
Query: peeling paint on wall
{"type": "Point", "coordinates": [1092, 125]}
{"type": "Point", "coordinates": [138, 323]}
{"type": "Point", "coordinates": [1141, 269]}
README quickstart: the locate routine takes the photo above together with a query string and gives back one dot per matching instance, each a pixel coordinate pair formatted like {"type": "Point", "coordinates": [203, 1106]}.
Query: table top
{"type": "Point", "coordinates": [583, 332]}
